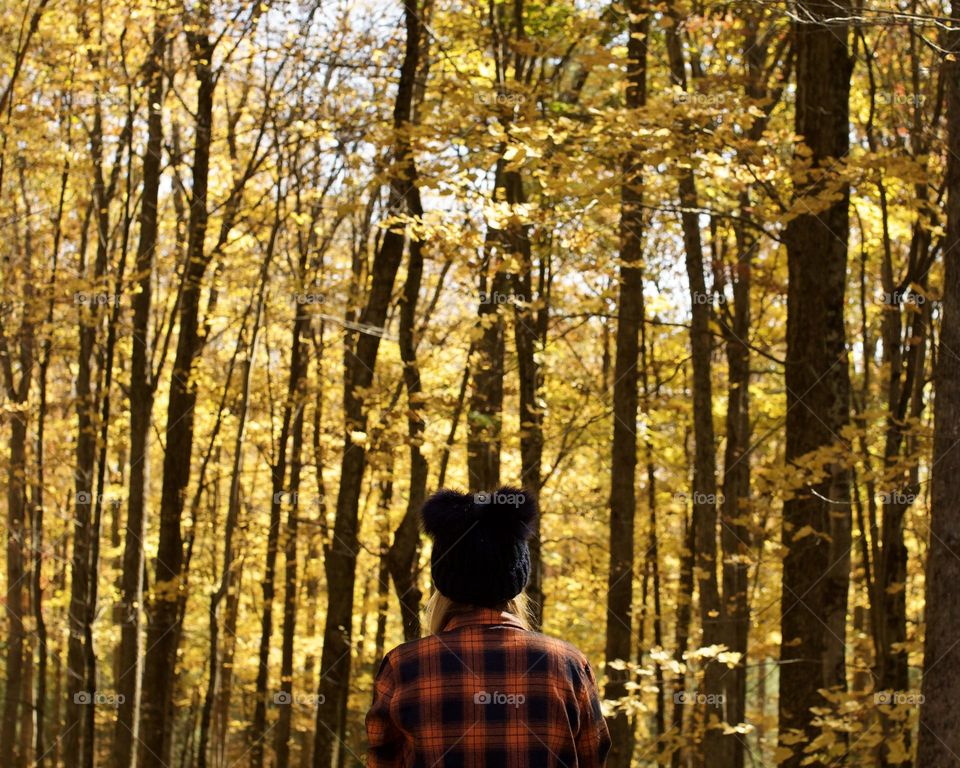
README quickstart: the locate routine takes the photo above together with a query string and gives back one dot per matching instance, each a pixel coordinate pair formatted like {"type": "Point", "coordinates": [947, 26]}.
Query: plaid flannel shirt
{"type": "Point", "coordinates": [486, 693]}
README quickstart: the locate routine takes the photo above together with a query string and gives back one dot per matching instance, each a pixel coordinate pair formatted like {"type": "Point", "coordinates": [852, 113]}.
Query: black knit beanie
{"type": "Point", "coordinates": [480, 552]}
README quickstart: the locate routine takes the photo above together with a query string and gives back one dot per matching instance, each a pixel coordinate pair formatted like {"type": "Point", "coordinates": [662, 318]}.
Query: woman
{"type": "Point", "coordinates": [482, 690]}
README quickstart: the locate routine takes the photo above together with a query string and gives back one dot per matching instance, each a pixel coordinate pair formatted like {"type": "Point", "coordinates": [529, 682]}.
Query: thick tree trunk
{"type": "Point", "coordinates": [359, 362]}
{"type": "Point", "coordinates": [486, 364]}
{"type": "Point", "coordinates": [625, 402]}
{"type": "Point", "coordinates": [816, 522]}
{"type": "Point", "coordinates": [163, 607]}
{"type": "Point", "coordinates": [939, 737]}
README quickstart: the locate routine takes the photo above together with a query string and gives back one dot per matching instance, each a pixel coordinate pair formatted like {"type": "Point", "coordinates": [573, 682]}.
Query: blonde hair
{"type": "Point", "coordinates": [440, 609]}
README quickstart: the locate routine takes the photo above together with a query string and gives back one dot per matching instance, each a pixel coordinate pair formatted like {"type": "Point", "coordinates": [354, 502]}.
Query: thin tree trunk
{"type": "Point", "coordinates": [704, 464]}
{"type": "Point", "coordinates": [142, 386]}
{"type": "Point", "coordinates": [282, 745]}
{"type": "Point", "coordinates": [486, 365]}
{"type": "Point", "coordinates": [81, 661]}
{"type": "Point", "coordinates": [402, 558]}
{"type": "Point", "coordinates": [298, 371]}
{"type": "Point", "coordinates": [293, 406]}
{"type": "Point", "coordinates": [684, 610]}
{"type": "Point", "coordinates": [653, 547]}
{"type": "Point", "coordinates": [735, 536]}
{"type": "Point", "coordinates": [229, 575]}
{"type": "Point", "coordinates": [529, 332]}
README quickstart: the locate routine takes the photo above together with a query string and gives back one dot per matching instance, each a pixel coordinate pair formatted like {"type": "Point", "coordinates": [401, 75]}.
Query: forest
{"type": "Point", "coordinates": [273, 272]}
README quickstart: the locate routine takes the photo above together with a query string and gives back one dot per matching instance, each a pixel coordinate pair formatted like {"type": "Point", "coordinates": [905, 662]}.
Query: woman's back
{"type": "Point", "coordinates": [486, 693]}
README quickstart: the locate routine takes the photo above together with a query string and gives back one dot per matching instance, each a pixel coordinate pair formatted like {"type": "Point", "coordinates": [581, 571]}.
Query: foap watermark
{"type": "Point", "coordinates": [897, 498]}
{"type": "Point", "coordinates": [698, 99]}
{"type": "Point", "coordinates": [906, 296]}
{"type": "Point", "coordinates": [499, 99]}
{"type": "Point", "coordinates": [500, 498]}
{"type": "Point", "coordinates": [297, 499]}
{"type": "Point", "coordinates": [693, 697]}
{"type": "Point", "coordinates": [901, 98]}
{"type": "Point", "coordinates": [87, 299]}
{"type": "Point", "coordinates": [497, 697]}
{"type": "Point", "coordinates": [495, 297]}
{"type": "Point", "coordinates": [699, 498]}
{"type": "Point", "coordinates": [85, 497]}
{"type": "Point", "coordinates": [289, 698]}
{"type": "Point", "coordinates": [708, 298]}
{"type": "Point", "coordinates": [899, 698]}
{"type": "Point", "coordinates": [312, 299]}
{"type": "Point", "coordinates": [98, 699]}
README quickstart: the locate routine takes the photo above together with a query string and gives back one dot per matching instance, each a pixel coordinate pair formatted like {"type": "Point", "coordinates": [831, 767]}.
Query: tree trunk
{"type": "Point", "coordinates": [647, 366]}
{"type": "Point", "coordinates": [402, 558]}
{"type": "Point", "coordinates": [530, 334]}
{"type": "Point", "coordinates": [16, 522]}
{"type": "Point", "coordinates": [15, 605]}
{"type": "Point", "coordinates": [163, 608]}
{"type": "Point", "coordinates": [359, 362]}
{"type": "Point", "coordinates": [734, 534]}
{"type": "Point", "coordinates": [229, 576]}
{"type": "Point", "coordinates": [293, 408]}
{"type": "Point", "coordinates": [142, 386]}
{"type": "Point", "coordinates": [81, 662]}
{"type": "Point", "coordinates": [486, 364]}
{"type": "Point", "coordinates": [625, 402]}
{"type": "Point", "coordinates": [939, 737]}
{"type": "Point", "coordinates": [282, 745]}
{"type": "Point", "coordinates": [684, 605]}
{"type": "Point", "coordinates": [704, 463]}
{"type": "Point", "coordinates": [816, 522]}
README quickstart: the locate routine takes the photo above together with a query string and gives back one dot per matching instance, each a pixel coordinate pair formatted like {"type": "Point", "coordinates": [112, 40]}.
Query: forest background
{"type": "Point", "coordinates": [686, 271]}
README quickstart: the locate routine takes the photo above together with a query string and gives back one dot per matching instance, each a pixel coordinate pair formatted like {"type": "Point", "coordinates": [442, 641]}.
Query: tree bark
{"type": "Point", "coordinates": [359, 362]}
{"type": "Point", "coordinates": [163, 608]}
{"type": "Point", "coordinates": [293, 408]}
{"type": "Point", "coordinates": [142, 387]}
{"type": "Point", "coordinates": [18, 393]}
{"type": "Point", "coordinates": [81, 661]}
{"type": "Point", "coordinates": [284, 722]}
{"type": "Point", "coordinates": [734, 534]}
{"type": "Point", "coordinates": [625, 403]}
{"type": "Point", "coordinates": [939, 737]}
{"type": "Point", "coordinates": [530, 329]}
{"type": "Point", "coordinates": [402, 557]}
{"type": "Point", "coordinates": [712, 613]}
{"type": "Point", "coordinates": [816, 522]}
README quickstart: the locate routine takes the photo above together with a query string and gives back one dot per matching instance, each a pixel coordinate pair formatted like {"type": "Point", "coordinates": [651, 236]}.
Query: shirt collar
{"type": "Point", "coordinates": [483, 616]}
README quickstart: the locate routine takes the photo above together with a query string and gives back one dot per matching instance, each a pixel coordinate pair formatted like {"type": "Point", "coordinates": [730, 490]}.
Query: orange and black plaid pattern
{"type": "Point", "coordinates": [486, 693]}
